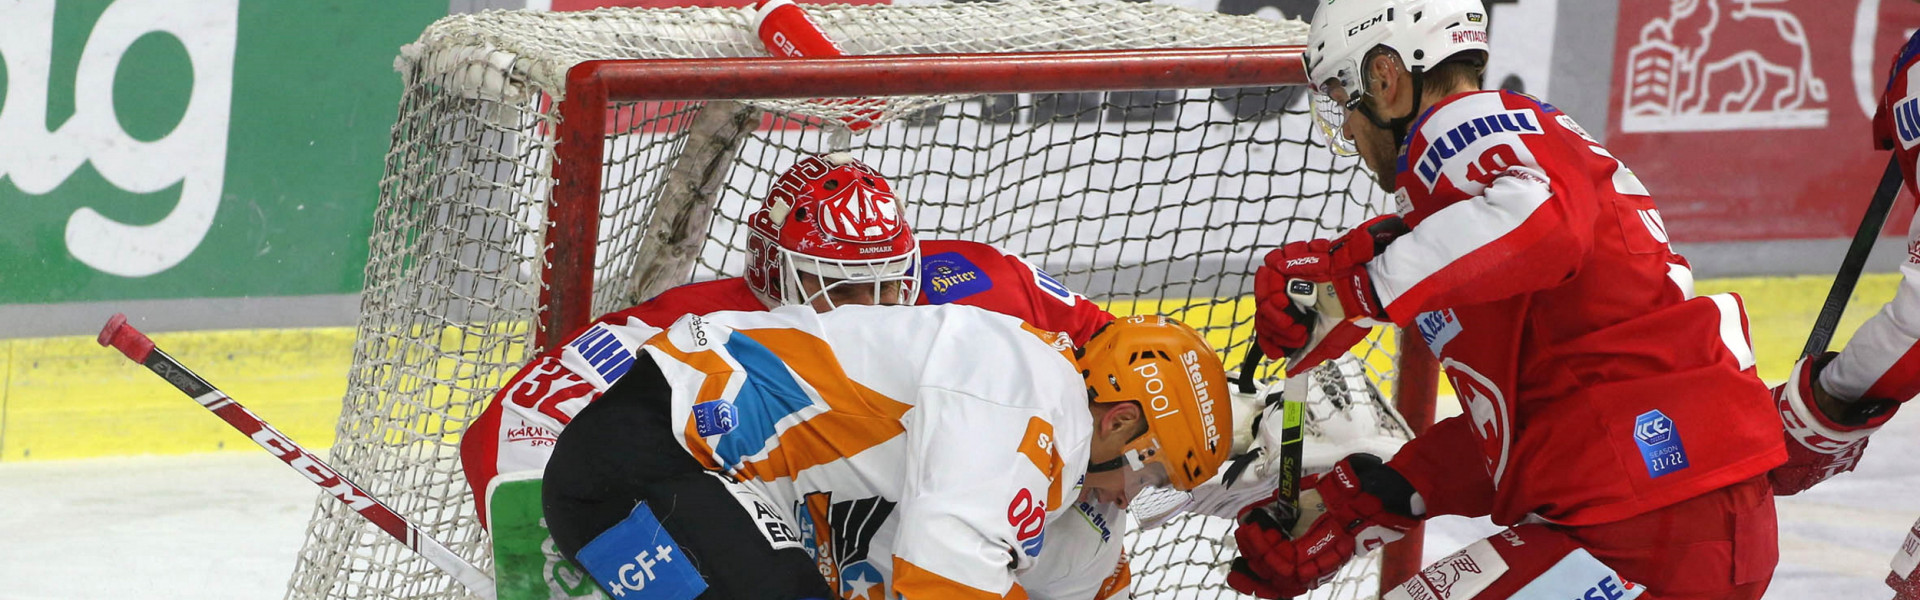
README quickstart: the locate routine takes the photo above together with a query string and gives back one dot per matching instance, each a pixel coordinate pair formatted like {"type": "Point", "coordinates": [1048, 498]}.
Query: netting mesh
{"type": "Point", "coordinates": [1149, 202]}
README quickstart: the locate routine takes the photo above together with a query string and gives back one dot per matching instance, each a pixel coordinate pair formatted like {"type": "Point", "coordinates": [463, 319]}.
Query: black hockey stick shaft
{"type": "Point", "coordinates": [139, 348]}
{"type": "Point", "coordinates": [1856, 260]}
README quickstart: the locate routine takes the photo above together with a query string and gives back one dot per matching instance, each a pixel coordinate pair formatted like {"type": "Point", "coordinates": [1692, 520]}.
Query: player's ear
{"type": "Point", "coordinates": [1122, 420]}
{"type": "Point", "coordinates": [1383, 70]}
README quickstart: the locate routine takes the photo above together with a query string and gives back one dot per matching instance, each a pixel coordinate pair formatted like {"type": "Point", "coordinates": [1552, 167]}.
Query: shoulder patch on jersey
{"type": "Point", "coordinates": [1437, 328]}
{"type": "Point", "coordinates": [948, 276]}
{"type": "Point", "coordinates": [636, 558]}
{"type": "Point", "coordinates": [606, 353]}
{"type": "Point", "coordinates": [1458, 134]}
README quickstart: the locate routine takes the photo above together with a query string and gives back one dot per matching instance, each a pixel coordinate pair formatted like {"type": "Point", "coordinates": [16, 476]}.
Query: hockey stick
{"type": "Point", "coordinates": [1855, 262]}
{"type": "Point", "coordinates": [1291, 449]}
{"type": "Point", "coordinates": [140, 349]}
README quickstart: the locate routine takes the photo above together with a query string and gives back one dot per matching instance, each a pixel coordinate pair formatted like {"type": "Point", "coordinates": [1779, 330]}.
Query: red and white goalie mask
{"type": "Point", "coordinates": [831, 234]}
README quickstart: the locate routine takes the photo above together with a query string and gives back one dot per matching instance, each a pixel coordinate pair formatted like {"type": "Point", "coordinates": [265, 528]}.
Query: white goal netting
{"type": "Point", "coordinates": [1153, 200]}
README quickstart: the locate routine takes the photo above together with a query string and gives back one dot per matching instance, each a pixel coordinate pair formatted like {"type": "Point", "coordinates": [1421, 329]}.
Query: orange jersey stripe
{"type": "Point", "coordinates": [857, 417]}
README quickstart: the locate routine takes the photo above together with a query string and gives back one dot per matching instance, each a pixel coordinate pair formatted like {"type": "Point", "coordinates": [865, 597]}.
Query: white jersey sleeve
{"type": "Point", "coordinates": [977, 497]}
{"type": "Point", "coordinates": [1882, 361]}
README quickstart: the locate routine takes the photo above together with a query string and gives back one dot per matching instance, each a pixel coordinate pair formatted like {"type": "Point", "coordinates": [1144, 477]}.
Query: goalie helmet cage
{"type": "Point", "coordinates": [549, 167]}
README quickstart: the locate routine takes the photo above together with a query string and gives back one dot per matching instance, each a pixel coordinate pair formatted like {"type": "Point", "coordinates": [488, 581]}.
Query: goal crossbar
{"type": "Point", "coordinates": [592, 85]}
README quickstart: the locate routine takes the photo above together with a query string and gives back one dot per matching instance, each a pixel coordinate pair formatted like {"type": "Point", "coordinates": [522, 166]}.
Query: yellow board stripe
{"type": "Point", "coordinates": [67, 397]}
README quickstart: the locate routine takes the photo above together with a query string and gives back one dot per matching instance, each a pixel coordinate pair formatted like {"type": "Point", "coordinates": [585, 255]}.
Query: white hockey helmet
{"type": "Point", "coordinates": [1422, 32]}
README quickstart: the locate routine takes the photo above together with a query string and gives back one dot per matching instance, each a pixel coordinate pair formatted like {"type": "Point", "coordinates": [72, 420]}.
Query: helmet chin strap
{"type": "Point", "coordinates": [1398, 125]}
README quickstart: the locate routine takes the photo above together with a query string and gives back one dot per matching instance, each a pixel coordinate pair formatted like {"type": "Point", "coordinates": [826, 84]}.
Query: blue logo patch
{"type": "Point", "coordinates": [948, 276]}
{"type": "Point", "coordinates": [1659, 443]}
{"type": "Point", "coordinates": [609, 355]}
{"type": "Point", "coordinates": [713, 418]}
{"type": "Point", "coordinates": [637, 559]}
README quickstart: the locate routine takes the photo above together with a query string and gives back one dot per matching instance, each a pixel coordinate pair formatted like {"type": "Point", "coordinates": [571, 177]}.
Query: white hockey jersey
{"type": "Point", "coordinates": [1882, 361]}
{"type": "Point", "coordinates": [916, 451]}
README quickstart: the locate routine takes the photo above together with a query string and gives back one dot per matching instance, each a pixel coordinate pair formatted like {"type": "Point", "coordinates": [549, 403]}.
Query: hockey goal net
{"type": "Point", "coordinates": [549, 167]}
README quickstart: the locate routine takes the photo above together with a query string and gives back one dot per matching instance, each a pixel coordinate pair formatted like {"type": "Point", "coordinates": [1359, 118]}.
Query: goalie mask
{"type": "Point", "coordinates": [1423, 32]}
{"type": "Point", "coordinates": [830, 230]}
{"type": "Point", "coordinates": [1174, 375]}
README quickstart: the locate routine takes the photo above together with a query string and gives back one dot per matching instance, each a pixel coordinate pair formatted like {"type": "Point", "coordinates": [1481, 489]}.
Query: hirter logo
{"type": "Point", "coordinates": [861, 215]}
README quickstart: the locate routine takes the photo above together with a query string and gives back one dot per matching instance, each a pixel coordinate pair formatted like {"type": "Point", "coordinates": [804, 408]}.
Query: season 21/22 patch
{"type": "Point", "coordinates": [1659, 443]}
{"type": "Point", "coordinates": [714, 417]}
{"type": "Point", "coordinates": [636, 559]}
{"type": "Point", "coordinates": [948, 276]}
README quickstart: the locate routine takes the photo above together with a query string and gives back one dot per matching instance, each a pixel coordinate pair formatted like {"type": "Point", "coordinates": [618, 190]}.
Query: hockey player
{"type": "Point", "coordinates": [805, 248]}
{"type": "Point", "coordinates": [830, 234]}
{"type": "Point", "coordinates": [1611, 419]}
{"type": "Point", "coordinates": [1831, 403]}
{"type": "Point", "coordinates": [870, 452]}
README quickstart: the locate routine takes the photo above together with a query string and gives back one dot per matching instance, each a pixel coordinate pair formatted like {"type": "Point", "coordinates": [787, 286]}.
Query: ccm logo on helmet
{"type": "Point", "coordinates": [1366, 24]}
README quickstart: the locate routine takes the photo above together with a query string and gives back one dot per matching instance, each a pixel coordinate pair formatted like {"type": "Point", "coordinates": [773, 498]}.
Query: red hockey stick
{"type": "Point", "coordinates": [139, 348]}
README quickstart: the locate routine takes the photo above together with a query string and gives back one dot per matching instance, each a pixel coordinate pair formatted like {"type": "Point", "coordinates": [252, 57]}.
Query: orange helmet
{"type": "Point", "coordinates": [1177, 379]}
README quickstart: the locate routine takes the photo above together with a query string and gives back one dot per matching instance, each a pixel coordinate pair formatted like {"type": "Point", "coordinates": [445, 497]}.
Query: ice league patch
{"type": "Point", "coordinates": [714, 417]}
{"type": "Point", "coordinates": [950, 276]}
{"type": "Point", "coordinates": [1659, 443]}
{"type": "Point", "coordinates": [636, 559]}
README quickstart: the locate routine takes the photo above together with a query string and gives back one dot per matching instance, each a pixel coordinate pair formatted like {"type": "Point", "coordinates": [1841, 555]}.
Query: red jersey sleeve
{"type": "Point", "coordinates": [1444, 467]}
{"type": "Point", "coordinates": [1523, 221]}
{"type": "Point", "coordinates": [976, 274]}
{"type": "Point", "coordinates": [505, 441]}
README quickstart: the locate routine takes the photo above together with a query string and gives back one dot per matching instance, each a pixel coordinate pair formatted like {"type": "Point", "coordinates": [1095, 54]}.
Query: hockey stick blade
{"type": "Point", "coordinates": [1855, 262]}
{"type": "Point", "coordinates": [140, 349]}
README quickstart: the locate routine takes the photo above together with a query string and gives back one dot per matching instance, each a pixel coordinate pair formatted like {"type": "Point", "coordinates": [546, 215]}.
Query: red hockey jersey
{"type": "Point", "coordinates": [559, 383]}
{"type": "Point", "coordinates": [1594, 385]}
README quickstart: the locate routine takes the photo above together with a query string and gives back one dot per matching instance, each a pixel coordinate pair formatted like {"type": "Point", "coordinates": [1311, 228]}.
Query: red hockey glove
{"type": "Point", "coordinates": [1341, 261]}
{"type": "Point", "coordinates": [1818, 445]}
{"type": "Point", "coordinates": [1367, 505]}
{"type": "Point", "coordinates": [1278, 326]}
{"type": "Point", "coordinates": [1904, 580]}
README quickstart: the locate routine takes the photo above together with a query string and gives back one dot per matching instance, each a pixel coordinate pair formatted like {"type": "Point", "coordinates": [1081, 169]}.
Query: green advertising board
{"type": "Point", "coordinates": [158, 149]}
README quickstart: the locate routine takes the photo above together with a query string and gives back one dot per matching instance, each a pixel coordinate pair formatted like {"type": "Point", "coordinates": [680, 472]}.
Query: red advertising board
{"type": "Point", "coordinates": [1750, 119]}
